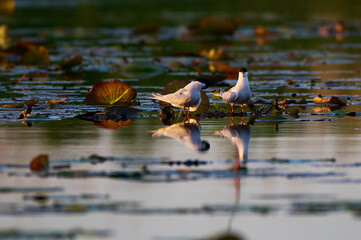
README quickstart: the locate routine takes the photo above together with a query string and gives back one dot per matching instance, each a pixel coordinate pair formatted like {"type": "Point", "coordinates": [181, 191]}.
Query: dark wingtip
{"type": "Point", "coordinates": [244, 70]}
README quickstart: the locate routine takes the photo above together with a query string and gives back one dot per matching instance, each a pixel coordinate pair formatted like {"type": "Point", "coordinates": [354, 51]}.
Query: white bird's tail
{"type": "Point", "coordinates": [157, 96]}
{"type": "Point", "coordinates": [218, 94]}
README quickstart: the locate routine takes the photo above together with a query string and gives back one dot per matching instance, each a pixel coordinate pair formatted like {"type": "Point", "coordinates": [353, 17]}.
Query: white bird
{"type": "Point", "coordinates": [240, 93]}
{"type": "Point", "coordinates": [187, 97]}
{"type": "Point", "coordinates": [189, 133]}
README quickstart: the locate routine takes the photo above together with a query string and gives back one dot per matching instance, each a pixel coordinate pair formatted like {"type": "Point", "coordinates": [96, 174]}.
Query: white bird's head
{"type": "Point", "coordinates": [243, 73]}
{"type": "Point", "coordinates": [196, 85]}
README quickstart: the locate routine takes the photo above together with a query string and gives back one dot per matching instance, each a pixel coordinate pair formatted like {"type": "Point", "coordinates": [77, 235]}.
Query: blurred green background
{"type": "Point", "coordinates": [112, 13]}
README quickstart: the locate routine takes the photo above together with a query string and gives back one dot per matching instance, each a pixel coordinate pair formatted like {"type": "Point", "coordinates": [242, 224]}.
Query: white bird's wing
{"type": "Point", "coordinates": [177, 99]}
{"type": "Point", "coordinates": [229, 96]}
{"type": "Point", "coordinates": [177, 131]}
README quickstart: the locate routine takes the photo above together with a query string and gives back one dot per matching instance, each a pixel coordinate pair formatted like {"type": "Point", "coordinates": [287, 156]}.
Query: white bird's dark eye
{"type": "Point", "coordinates": [244, 70]}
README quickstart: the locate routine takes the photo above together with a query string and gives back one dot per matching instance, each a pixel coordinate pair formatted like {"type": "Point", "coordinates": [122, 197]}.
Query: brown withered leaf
{"type": "Point", "coordinates": [21, 47]}
{"type": "Point", "coordinates": [286, 101]}
{"type": "Point", "coordinates": [69, 63]}
{"type": "Point", "coordinates": [331, 100]}
{"type": "Point", "coordinates": [57, 102]}
{"type": "Point", "coordinates": [39, 163]}
{"type": "Point", "coordinates": [301, 101]}
{"type": "Point", "coordinates": [261, 31]}
{"type": "Point", "coordinates": [216, 54]}
{"type": "Point", "coordinates": [35, 55]}
{"type": "Point", "coordinates": [25, 113]}
{"type": "Point", "coordinates": [216, 25]}
{"type": "Point", "coordinates": [29, 103]}
{"type": "Point", "coordinates": [148, 28]}
{"type": "Point", "coordinates": [7, 6]}
{"type": "Point", "coordinates": [109, 93]}
{"type": "Point", "coordinates": [222, 67]}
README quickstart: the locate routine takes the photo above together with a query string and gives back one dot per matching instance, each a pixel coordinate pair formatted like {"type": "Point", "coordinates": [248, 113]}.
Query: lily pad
{"type": "Point", "coordinates": [109, 93]}
{"type": "Point", "coordinates": [216, 25]}
{"type": "Point", "coordinates": [36, 55]}
{"type": "Point", "coordinates": [175, 85]}
{"type": "Point", "coordinates": [69, 63]}
{"type": "Point", "coordinates": [39, 163]}
{"type": "Point", "coordinates": [141, 70]}
{"type": "Point", "coordinates": [147, 29]}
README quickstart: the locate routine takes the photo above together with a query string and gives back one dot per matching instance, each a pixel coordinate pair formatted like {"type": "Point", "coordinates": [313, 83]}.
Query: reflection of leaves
{"type": "Point", "coordinates": [332, 100]}
{"type": "Point", "coordinates": [110, 124]}
{"type": "Point", "coordinates": [35, 55]}
{"type": "Point", "coordinates": [175, 85]}
{"type": "Point", "coordinates": [112, 118]}
{"type": "Point", "coordinates": [39, 163]}
{"type": "Point", "coordinates": [69, 63]}
{"type": "Point", "coordinates": [318, 109]}
{"type": "Point", "coordinates": [109, 92]}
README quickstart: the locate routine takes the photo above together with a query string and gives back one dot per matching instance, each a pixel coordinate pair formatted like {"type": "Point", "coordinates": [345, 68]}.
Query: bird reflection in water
{"type": "Point", "coordinates": [187, 132]}
{"type": "Point", "coordinates": [240, 135]}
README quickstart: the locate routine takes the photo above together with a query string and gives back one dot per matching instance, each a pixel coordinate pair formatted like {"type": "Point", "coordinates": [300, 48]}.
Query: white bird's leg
{"type": "Point", "coordinates": [236, 161]}
{"type": "Point", "coordinates": [188, 112]}
{"type": "Point", "coordinates": [232, 107]}
{"type": "Point", "coordinates": [242, 108]}
{"type": "Point", "coordinates": [184, 110]}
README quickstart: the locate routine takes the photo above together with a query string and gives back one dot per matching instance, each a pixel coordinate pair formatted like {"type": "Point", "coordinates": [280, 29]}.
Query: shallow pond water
{"type": "Point", "coordinates": [287, 174]}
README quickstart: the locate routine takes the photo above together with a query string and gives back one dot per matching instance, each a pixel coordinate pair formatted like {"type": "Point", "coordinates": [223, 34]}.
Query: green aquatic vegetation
{"type": "Point", "coordinates": [326, 207]}
{"type": "Point", "coordinates": [17, 233]}
{"type": "Point", "coordinates": [4, 190]}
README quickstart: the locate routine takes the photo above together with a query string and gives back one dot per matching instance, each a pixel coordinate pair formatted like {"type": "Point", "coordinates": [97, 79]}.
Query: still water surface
{"type": "Point", "coordinates": [302, 176]}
